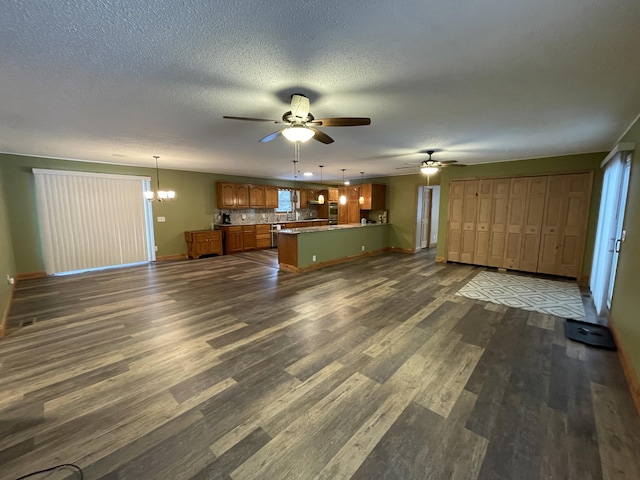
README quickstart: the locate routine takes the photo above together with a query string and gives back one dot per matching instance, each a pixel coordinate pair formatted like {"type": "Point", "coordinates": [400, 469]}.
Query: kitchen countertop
{"type": "Point", "coordinates": [326, 228]}
{"type": "Point", "coordinates": [264, 222]}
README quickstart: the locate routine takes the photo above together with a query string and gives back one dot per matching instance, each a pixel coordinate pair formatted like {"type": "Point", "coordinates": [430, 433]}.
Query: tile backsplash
{"type": "Point", "coordinates": [263, 215]}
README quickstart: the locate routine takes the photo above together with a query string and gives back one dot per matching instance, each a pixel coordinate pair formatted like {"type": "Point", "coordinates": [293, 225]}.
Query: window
{"type": "Point", "coordinates": [284, 201]}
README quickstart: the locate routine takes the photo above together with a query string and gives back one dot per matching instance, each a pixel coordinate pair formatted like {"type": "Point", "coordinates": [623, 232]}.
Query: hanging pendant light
{"type": "Point", "coordinates": [343, 198]}
{"type": "Point", "coordinates": [294, 196]}
{"type": "Point", "coordinates": [361, 199]}
{"type": "Point", "coordinates": [162, 195]}
{"type": "Point", "coordinates": [321, 196]}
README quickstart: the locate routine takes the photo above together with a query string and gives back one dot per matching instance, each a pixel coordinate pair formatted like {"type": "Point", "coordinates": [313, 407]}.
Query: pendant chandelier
{"type": "Point", "coordinates": [294, 196]}
{"type": "Point", "coordinates": [361, 199]}
{"type": "Point", "coordinates": [343, 198]}
{"type": "Point", "coordinates": [162, 195]}
{"type": "Point", "coordinates": [321, 196]}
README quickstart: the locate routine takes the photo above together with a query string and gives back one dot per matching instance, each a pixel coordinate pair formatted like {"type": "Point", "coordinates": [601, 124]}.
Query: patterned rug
{"type": "Point", "coordinates": [551, 297]}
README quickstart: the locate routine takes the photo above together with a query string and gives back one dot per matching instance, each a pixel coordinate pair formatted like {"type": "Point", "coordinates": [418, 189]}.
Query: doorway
{"type": "Point", "coordinates": [610, 234]}
{"type": "Point", "coordinates": [427, 209]}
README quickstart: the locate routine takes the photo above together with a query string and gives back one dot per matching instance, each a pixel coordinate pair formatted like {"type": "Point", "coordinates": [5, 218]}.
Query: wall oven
{"type": "Point", "coordinates": [333, 213]}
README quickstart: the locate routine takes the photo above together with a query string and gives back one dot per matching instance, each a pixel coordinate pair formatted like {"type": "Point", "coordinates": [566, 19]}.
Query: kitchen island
{"type": "Point", "coordinates": [304, 249]}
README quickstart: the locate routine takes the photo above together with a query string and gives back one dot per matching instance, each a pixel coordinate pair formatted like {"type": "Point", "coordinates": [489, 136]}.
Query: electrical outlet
{"type": "Point", "coordinates": [10, 279]}
{"type": "Point", "coordinates": [156, 248]}
{"type": "Point", "coordinates": [313, 258]}
{"type": "Point", "coordinates": [363, 248]}
{"type": "Point", "coordinates": [244, 217]}
{"type": "Point", "coordinates": [161, 220]}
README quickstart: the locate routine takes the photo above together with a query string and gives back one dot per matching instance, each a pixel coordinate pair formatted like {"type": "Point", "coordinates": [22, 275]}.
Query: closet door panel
{"type": "Point", "coordinates": [499, 216]}
{"type": "Point", "coordinates": [454, 233]}
{"type": "Point", "coordinates": [469, 219]}
{"type": "Point", "coordinates": [555, 212]}
{"type": "Point", "coordinates": [534, 211]}
{"type": "Point", "coordinates": [574, 227]}
{"type": "Point", "coordinates": [515, 222]}
{"type": "Point", "coordinates": [483, 225]}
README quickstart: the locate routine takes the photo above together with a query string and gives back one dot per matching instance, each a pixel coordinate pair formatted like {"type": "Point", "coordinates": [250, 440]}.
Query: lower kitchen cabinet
{"type": "Point", "coordinates": [263, 236]}
{"type": "Point", "coordinates": [203, 242]}
{"type": "Point", "coordinates": [232, 238]}
{"type": "Point", "coordinates": [248, 237]}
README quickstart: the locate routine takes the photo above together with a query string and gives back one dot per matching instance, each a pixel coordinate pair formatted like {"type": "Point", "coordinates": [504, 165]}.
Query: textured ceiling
{"type": "Point", "coordinates": [122, 80]}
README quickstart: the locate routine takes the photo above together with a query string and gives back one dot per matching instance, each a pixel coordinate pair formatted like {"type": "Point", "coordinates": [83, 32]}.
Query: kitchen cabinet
{"type": "Point", "coordinates": [232, 195]}
{"type": "Point", "coordinates": [257, 196]}
{"type": "Point", "coordinates": [263, 236]}
{"type": "Point", "coordinates": [271, 196]}
{"type": "Point", "coordinates": [374, 195]}
{"type": "Point", "coordinates": [304, 198]}
{"type": "Point", "coordinates": [203, 242]}
{"type": "Point", "coordinates": [343, 208]}
{"type": "Point", "coordinates": [226, 194]}
{"type": "Point", "coordinates": [248, 237]}
{"type": "Point", "coordinates": [333, 194]}
{"type": "Point", "coordinates": [232, 238]}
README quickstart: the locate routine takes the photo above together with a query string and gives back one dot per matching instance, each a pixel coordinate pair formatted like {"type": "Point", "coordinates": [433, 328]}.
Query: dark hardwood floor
{"type": "Point", "coordinates": [226, 367]}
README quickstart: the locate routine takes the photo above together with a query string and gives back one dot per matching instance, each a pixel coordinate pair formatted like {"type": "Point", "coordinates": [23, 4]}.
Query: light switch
{"type": "Point", "coordinates": [624, 235]}
{"type": "Point", "coordinates": [161, 220]}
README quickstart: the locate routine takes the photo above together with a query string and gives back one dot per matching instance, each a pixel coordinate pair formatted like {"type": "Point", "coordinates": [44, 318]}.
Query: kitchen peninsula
{"type": "Point", "coordinates": [304, 249]}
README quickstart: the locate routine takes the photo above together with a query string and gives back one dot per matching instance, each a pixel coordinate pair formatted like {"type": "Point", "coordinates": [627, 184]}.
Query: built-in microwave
{"type": "Point", "coordinates": [333, 213]}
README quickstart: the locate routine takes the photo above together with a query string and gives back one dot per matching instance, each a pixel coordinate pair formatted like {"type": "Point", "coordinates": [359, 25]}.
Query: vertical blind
{"type": "Point", "coordinates": [90, 220]}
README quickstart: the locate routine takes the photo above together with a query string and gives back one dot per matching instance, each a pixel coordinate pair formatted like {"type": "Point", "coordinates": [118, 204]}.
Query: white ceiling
{"type": "Point", "coordinates": [480, 81]}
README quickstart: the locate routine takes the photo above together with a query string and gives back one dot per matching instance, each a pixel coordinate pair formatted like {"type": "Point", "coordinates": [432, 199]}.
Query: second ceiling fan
{"type": "Point", "coordinates": [429, 166]}
{"type": "Point", "coordinates": [302, 125]}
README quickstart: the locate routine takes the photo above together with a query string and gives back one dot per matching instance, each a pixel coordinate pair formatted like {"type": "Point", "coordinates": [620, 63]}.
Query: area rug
{"type": "Point", "coordinates": [551, 297]}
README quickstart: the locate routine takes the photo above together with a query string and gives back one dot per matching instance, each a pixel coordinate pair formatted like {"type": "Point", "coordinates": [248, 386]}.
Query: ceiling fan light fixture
{"type": "Point", "coordinates": [298, 133]}
{"type": "Point", "coordinates": [427, 170]}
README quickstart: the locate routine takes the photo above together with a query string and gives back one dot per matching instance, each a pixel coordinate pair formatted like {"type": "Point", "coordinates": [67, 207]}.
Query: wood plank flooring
{"type": "Point", "coordinates": [227, 368]}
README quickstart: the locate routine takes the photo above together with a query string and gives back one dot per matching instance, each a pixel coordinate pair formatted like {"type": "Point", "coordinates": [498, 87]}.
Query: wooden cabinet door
{"type": "Point", "coordinates": [233, 240]}
{"type": "Point", "coordinates": [248, 237]}
{"type": "Point", "coordinates": [353, 212]}
{"type": "Point", "coordinates": [353, 193]}
{"type": "Point", "coordinates": [334, 195]}
{"type": "Point", "coordinates": [271, 197]}
{"type": "Point", "coordinates": [366, 193]}
{"type": "Point", "coordinates": [226, 194]}
{"type": "Point", "coordinates": [469, 218]}
{"type": "Point", "coordinates": [454, 231]}
{"type": "Point", "coordinates": [256, 196]}
{"type": "Point", "coordinates": [533, 212]}
{"type": "Point", "coordinates": [483, 224]}
{"type": "Point", "coordinates": [242, 196]}
{"type": "Point", "coordinates": [564, 225]}
{"type": "Point", "coordinates": [499, 216]}
{"type": "Point", "coordinates": [304, 198]}
{"type": "Point", "coordinates": [515, 222]}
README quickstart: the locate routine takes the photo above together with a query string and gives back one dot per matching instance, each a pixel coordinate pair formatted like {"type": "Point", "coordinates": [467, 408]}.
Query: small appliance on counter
{"type": "Point", "coordinates": [226, 219]}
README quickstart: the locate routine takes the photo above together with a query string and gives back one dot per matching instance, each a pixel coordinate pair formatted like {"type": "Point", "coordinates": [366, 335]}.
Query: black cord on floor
{"type": "Point", "coordinates": [70, 466]}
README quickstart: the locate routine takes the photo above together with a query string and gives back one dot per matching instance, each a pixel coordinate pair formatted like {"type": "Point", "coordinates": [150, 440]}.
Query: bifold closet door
{"type": "Point", "coordinates": [454, 232]}
{"type": "Point", "coordinates": [564, 224]}
{"type": "Point", "coordinates": [483, 224]}
{"type": "Point", "coordinates": [515, 222]}
{"type": "Point", "coordinates": [499, 217]}
{"type": "Point", "coordinates": [533, 213]}
{"type": "Point", "coordinates": [469, 220]}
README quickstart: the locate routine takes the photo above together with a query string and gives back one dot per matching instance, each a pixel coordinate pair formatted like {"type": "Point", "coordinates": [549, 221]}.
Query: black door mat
{"type": "Point", "coordinates": [590, 333]}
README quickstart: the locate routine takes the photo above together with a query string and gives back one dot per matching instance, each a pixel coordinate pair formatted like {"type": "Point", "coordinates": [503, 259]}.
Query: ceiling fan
{"type": "Point", "coordinates": [429, 166]}
{"type": "Point", "coordinates": [302, 125]}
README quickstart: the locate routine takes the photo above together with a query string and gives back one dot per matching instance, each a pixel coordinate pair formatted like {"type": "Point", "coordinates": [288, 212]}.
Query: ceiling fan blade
{"type": "Point", "coordinates": [299, 106]}
{"type": "Point", "coordinates": [410, 166]}
{"type": "Point", "coordinates": [252, 119]}
{"type": "Point", "coordinates": [447, 162]}
{"type": "Point", "coordinates": [271, 136]}
{"type": "Point", "coordinates": [343, 122]}
{"type": "Point", "coordinates": [452, 165]}
{"type": "Point", "coordinates": [321, 136]}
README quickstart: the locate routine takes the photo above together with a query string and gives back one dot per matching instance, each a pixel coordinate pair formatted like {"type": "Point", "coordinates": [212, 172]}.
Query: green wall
{"type": "Point", "coordinates": [402, 200]}
{"type": "Point", "coordinates": [537, 166]}
{"type": "Point", "coordinates": [192, 209]}
{"type": "Point", "coordinates": [7, 266]}
{"type": "Point", "coordinates": [625, 304]}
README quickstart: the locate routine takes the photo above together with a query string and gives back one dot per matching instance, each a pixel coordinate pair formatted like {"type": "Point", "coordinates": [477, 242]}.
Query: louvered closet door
{"type": "Point", "coordinates": [469, 219]}
{"type": "Point", "coordinates": [534, 210]}
{"type": "Point", "coordinates": [499, 217]}
{"type": "Point", "coordinates": [565, 224]}
{"type": "Point", "coordinates": [483, 225]}
{"type": "Point", "coordinates": [454, 233]}
{"type": "Point", "coordinates": [515, 222]}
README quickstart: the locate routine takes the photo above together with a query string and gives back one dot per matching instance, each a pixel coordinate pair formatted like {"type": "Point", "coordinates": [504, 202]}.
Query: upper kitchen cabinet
{"type": "Point", "coordinates": [333, 195]}
{"type": "Point", "coordinates": [375, 196]}
{"type": "Point", "coordinates": [257, 196]}
{"type": "Point", "coordinates": [304, 198]}
{"type": "Point", "coordinates": [271, 197]}
{"type": "Point", "coordinates": [232, 195]}
{"type": "Point", "coordinates": [226, 194]}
